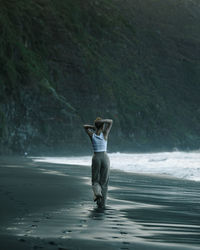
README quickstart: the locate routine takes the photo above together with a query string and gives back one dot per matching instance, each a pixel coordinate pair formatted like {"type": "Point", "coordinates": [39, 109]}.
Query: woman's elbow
{"type": "Point", "coordinates": [110, 121]}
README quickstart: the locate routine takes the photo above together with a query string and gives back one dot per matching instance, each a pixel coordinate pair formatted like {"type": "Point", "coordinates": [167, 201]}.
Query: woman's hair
{"type": "Point", "coordinates": [97, 123]}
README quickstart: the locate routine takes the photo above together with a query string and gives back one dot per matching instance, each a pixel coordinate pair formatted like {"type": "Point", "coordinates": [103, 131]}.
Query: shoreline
{"type": "Point", "coordinates": [50, 206]}
{"type": "Point", "coordinates": [181, 165]}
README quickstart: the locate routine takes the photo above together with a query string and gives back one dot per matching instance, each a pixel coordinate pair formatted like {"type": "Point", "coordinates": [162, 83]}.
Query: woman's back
{"type": "Point", "coordinates": [99, 143]}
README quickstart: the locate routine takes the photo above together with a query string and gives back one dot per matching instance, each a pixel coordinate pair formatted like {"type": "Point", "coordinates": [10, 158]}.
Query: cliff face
{"type": "Point", "coordinates": [65, 62]}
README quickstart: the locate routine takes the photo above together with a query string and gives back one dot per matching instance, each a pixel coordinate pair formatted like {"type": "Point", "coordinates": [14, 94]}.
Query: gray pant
{"type": "Point", "coordinates": [100, 176]}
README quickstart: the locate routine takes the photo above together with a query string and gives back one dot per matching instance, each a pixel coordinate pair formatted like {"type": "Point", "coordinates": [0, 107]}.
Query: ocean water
{"type": "Point", "coordinates": [184, 165]}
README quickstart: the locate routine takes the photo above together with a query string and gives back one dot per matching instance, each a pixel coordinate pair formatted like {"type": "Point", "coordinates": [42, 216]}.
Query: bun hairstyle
{"type": "Point", "coordinates": [97, 123]}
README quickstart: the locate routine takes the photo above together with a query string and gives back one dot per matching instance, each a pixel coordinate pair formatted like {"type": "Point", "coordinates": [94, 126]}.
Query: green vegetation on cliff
{"type": "Point", "coordinates": [62, 63]}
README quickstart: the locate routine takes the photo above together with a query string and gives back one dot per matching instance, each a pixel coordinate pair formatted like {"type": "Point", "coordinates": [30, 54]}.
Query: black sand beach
{"type": "Point", "coordinates": [49, 206]}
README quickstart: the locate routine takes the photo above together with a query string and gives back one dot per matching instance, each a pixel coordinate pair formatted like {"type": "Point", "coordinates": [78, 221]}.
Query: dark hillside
{"type": "Point", "coordinates": [65, 62]}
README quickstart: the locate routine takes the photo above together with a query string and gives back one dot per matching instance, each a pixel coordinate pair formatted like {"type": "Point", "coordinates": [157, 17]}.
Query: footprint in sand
{"type": "Point", "coordinates": [99, 238]}
{"type": "Point", "coordinates": [66, 231]}
{"type": "Point", "coordinates": [125, 242]}
{"type": "Point", "coordinates": [123, 233]}
{"type": "Point", "coordinates": [22, 240]}
{"type": "Point", "coordinates": [34, 226]}
{"type": "Point", "coordinates": [116, 221]}
{"type": "Point", "coordinates": [52, 243]}
{"type": "Point", "coordinates": [124, 248]}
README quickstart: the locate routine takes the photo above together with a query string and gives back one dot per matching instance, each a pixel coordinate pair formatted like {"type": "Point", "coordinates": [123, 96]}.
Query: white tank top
{"type": "Point", "coordinates": [99, 143]}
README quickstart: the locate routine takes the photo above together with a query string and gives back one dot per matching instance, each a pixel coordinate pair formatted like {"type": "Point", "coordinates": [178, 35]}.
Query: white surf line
{"type": "Point", "coordinates": [172, 225]}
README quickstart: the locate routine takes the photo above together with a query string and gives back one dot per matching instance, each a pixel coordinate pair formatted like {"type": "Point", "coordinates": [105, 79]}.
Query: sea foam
{"type": "Point", "coordinates": [184, 165]}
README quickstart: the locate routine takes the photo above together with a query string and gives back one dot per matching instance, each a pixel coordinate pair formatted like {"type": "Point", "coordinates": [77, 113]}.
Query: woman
{"type": "Point", "coordinates": [100, 161]}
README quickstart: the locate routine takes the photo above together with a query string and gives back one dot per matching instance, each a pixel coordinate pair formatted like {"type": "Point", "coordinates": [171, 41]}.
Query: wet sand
{"type": "Point", "coordinates": [49, 206]}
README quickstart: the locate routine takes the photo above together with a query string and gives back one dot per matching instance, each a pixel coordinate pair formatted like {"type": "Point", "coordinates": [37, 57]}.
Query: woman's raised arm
{"type": "Point", "coordinates": [89, 129]}
{"type": "Point", "coordinates": [108, 125]}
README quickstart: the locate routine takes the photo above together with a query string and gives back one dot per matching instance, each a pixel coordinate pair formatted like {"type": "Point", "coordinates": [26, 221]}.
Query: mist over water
{"type": "Point", "coordinates": [184, 165]}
